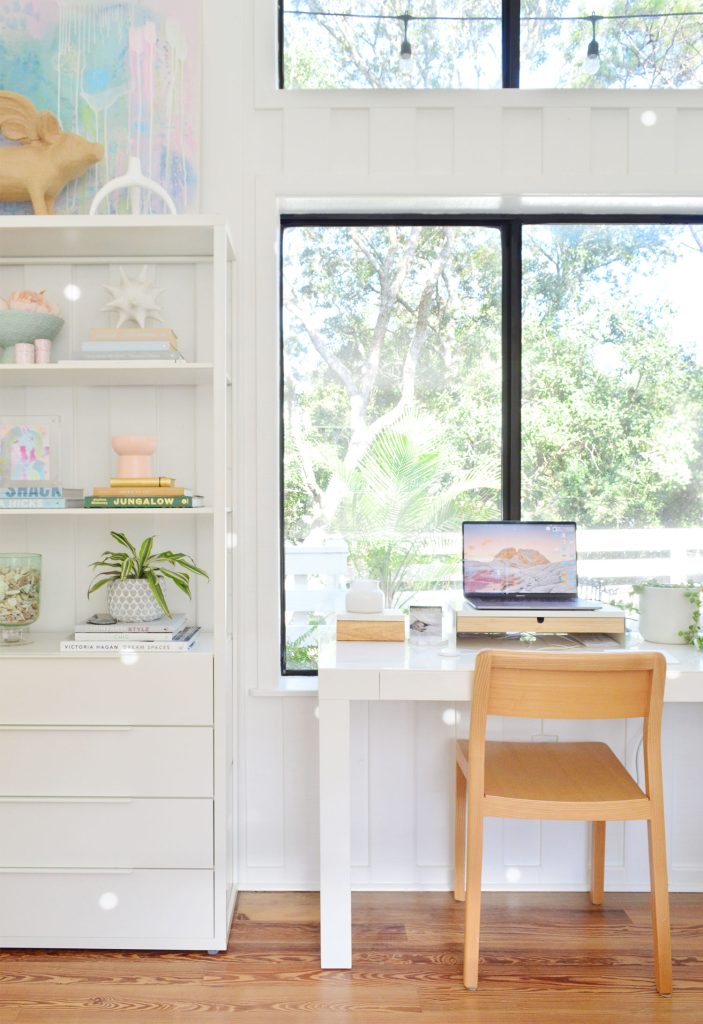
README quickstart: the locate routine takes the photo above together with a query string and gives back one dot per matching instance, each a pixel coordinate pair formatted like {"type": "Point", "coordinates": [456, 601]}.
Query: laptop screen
{"type": "Point", "coordinates": [519, 558]}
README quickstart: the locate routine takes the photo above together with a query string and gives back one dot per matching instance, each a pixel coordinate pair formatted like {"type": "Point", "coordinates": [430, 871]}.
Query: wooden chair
{"type": "Point", "coordinates": [571, 781]}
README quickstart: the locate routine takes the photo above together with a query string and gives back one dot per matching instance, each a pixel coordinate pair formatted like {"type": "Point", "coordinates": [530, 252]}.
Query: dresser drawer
{"type": "Point", "coordinates": [55, 908]}
{"type": "Point", "coordinates": [159, 689]}
{"type": "Point", "coordinates": [114, 833]}
{"type": "Point", "coordinates": [110, 761]}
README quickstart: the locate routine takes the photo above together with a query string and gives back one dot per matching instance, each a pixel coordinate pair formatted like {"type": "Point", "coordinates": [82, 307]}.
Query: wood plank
{"type": "Point", "coordinates": [545, 957]}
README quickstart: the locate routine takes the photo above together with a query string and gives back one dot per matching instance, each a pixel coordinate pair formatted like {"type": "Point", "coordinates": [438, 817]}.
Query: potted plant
{"type": "Point", "coordinates": [135, 577]}
{"type": "Point", "coordinates": [670, 612]}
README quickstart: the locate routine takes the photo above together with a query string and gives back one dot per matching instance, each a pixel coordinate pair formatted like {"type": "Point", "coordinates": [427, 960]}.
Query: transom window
{"type": "Point", "coordinates": [486, 44]}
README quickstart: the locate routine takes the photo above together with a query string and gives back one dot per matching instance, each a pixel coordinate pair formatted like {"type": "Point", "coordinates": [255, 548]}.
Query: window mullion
{"type": "Point", "coordinates": [512, 369]}
{"type": "Point", "coordinates": [511, 44]}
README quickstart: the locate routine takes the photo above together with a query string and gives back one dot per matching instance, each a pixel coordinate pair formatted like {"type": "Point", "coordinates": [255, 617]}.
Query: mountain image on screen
{"type": "Point", "coordinates": [518, 570]}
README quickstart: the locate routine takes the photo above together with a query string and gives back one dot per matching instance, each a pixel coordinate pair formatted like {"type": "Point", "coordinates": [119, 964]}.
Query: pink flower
{"type": "Point", "coordinates": [31, 302]}
{"type": "Point", "coordinates": [3, 304]}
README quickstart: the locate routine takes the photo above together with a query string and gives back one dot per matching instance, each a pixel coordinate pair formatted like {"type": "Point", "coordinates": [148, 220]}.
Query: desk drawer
{"type": "Point", "coordinates": [104, 832]}
{"type": "Point", "coordinates": [54, 908]}
{"type": "Point", "coordinates": [159, 689]}
{"type": "Point", "coordinates": [113, 761]}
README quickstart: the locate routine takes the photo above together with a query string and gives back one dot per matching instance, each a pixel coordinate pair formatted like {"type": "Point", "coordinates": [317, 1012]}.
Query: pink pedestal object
{"type": "Point", "coordinates": [134, 451]}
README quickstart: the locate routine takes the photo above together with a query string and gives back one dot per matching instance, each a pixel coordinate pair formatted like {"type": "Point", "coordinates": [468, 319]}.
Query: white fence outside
{"type": "Point", "coordinates": [609, 561]}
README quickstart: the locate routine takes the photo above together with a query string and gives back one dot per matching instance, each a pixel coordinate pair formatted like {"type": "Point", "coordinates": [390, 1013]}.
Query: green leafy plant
{"type": "Point", "coordinates": [692, 633]}
{"type": "Point", "coordinates": [145, 564]}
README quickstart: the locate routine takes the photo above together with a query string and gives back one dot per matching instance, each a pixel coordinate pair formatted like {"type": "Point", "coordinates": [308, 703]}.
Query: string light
{"type": "Point", "coordinates": [593, 53]}
{"type": "Point", "coordinates": [592, 62]}
{"type": "Point", "coordinates": [406, 50]}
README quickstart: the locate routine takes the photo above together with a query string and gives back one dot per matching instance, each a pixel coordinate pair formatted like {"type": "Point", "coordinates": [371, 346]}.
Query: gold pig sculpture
{"type": "Point", "coordinates": [47, 159]}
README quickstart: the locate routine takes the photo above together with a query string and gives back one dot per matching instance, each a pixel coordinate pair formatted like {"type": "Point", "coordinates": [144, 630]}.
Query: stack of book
{"type": "Point", "coordinates": [164, 635]}
{"type": "Point", "coordinates": [131, 343]}
{"type": "Point", "coordinates": [37, 496]}
{"type": "Point", "coordinates": [143, 492]}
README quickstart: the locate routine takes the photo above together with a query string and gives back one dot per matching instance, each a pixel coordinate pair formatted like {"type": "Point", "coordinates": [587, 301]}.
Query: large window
{"type": "Point", "coordinates": [434, 372]}
{"type": "Point", "coordinates": [470, 44]}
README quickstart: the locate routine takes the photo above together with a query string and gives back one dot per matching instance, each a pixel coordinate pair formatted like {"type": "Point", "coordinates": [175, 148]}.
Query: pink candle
{"type": "Point", "coordinates": [24, 352]}
{"type": "Point", "coordinates": [42, 350]}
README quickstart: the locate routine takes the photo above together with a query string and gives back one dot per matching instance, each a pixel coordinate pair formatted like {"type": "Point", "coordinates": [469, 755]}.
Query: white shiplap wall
{"type": "Point", "coordinates": [328, 152]}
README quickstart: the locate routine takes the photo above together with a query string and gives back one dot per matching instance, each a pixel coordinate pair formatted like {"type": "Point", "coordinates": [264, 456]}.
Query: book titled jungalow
{"type": "Point", "coordinates": [145, 501]}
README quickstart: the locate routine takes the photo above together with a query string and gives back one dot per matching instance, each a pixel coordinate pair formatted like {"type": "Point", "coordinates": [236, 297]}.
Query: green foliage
{"type": "Point", "coordinates": [302, 652]}
{"type": "Point", "coordinates": [145, 564]}
{"type": "Point", "coordinates": [402, 499]}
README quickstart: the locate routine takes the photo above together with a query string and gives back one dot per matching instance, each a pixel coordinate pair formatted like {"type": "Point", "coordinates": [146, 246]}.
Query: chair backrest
{"type": "Point", "coordinates": [569, 685]}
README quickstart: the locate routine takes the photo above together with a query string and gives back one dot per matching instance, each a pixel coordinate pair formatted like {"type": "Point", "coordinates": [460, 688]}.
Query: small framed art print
{"type": "Point", "coordinates": [29, 450]}
{"type": "Point", "coordinates": [425, 623]}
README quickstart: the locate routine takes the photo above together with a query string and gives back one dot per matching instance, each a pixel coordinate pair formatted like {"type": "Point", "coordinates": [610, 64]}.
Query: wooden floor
{"type": "Point", "coordinates": [545, 958]}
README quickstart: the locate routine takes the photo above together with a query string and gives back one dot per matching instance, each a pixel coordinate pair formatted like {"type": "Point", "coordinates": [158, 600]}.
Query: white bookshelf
{"type": "Point", "coordinates": [89, 865]}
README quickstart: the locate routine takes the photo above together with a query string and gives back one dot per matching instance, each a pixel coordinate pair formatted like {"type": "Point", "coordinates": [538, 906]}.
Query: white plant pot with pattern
{"type": "Point", "coordinates": [132, 601]}
{"type": "Point", "coordinates": [664, 613]}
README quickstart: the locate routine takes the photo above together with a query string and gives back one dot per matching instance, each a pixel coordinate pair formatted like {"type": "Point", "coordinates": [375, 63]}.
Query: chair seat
{"type": "Point", "coordinates": [543, 779]}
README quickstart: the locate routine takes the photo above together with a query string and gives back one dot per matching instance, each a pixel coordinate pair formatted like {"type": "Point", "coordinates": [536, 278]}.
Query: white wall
{"type": "Point", "coordinates": [265, 152]}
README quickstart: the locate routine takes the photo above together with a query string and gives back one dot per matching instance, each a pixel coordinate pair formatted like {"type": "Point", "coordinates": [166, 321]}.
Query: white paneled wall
{"type": "Point", "coordinates": [361, 151]}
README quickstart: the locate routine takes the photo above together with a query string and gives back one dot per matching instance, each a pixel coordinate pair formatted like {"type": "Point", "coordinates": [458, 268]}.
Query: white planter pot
{"type": "Point", "coordinates": [132, 601]}
{"type": "Point", "coordinates": [664, 613]}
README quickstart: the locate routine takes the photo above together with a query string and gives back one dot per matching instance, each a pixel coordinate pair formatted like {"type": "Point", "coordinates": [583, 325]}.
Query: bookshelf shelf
{"type": "Point", "coordinates": [53, 375]}
{"type": "Point", "coordinates": [105, 512]}
{"type": "Point", "coordinates": [130, 759]}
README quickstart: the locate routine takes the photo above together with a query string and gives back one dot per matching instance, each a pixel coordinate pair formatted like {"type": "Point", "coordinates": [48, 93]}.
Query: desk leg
{"type": "Point", "coordinates": [335, 835]}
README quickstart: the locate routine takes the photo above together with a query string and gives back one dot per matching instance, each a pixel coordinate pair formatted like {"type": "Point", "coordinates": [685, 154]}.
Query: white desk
{"type": "Point", "coordinates": [394, 671]}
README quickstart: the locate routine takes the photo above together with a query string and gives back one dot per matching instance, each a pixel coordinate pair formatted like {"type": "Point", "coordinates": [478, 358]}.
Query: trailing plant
{"type": "Point", "coordinates": [692, 591]}
{"type": "Point", "coordinates": [145, 564]}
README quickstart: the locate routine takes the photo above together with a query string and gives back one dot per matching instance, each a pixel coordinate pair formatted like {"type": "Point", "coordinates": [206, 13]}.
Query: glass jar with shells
{"type": "Point", "coordinates": [20, 578]}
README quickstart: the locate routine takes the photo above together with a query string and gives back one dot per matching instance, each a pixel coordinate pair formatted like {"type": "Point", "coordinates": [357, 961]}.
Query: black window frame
{"type": "Point", "coordinates": [510, 227]}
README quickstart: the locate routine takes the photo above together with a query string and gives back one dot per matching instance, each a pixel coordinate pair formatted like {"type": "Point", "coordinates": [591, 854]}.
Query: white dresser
{"type": "Point", "coordinates": [106, 800]}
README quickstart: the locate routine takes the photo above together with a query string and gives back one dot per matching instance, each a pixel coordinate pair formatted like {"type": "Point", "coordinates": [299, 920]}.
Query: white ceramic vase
{"type": "Point", "coordinates": [365, 597]}
{"type": "Point", "coordinates": [664, 613]}
{"type": "Point", "coordinates": [132, 601]}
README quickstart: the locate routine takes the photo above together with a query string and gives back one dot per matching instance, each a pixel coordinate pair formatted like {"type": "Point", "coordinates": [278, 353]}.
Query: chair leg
{"type": "Point", "coordinates": [660, 903]}
{"type": "Point", "coordinates": [472, 919]}
{"type": "Point", "coordinates": [459, 834]}
{"type": "Point", "coordinates": [597, 862]}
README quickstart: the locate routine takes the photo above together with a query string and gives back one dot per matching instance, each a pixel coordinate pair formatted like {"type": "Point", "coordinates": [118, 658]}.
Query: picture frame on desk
{"type": "Point", "coordinates": [425, 624]}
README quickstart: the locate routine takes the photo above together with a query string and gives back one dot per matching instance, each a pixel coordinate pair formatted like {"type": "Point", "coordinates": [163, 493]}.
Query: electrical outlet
{"type": "Point", "coordinates": [545, 737]}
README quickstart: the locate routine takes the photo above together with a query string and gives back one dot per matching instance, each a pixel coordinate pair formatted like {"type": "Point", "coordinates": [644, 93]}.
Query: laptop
{"type": "Point", "coordinates": [514, 566]}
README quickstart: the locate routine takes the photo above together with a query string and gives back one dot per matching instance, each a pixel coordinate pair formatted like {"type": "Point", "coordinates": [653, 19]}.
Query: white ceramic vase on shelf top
{"type": "Point", "coordinates": [364, 597]}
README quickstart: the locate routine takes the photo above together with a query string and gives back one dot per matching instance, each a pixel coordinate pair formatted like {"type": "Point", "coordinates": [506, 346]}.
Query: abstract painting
{"type": "Point", "coordinates": [28, 449]}
{"type": "Point", "coordinates": [126, 74]}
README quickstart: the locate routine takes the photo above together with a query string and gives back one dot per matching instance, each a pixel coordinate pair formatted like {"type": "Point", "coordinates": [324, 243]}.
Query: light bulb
{"type": "Point", "coordinates": [406, 50]}
{"type": "Point", "coordinates": [592, 58]}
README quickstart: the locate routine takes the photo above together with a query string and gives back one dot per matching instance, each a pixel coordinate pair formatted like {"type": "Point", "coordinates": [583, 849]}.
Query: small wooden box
{"type": "Point", "coordinates": [385, 626]}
